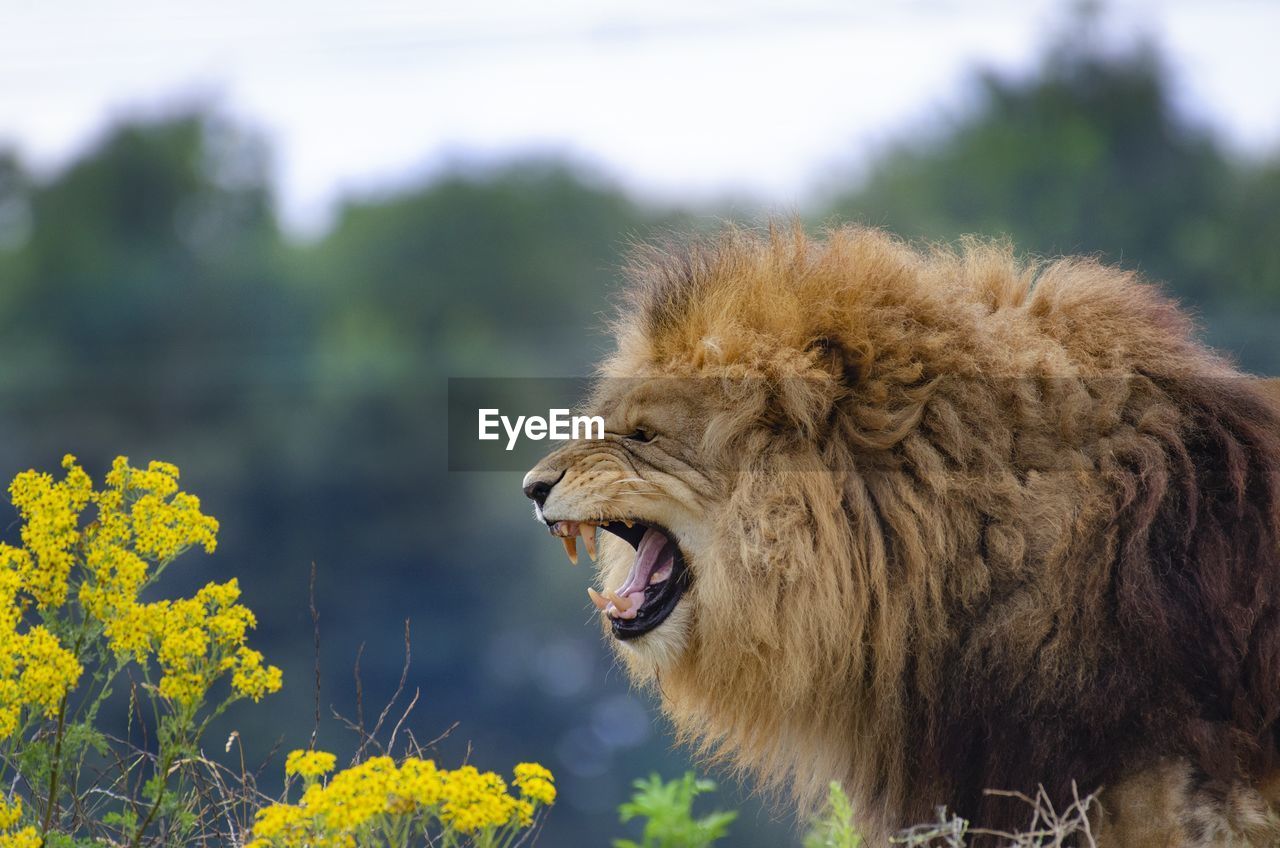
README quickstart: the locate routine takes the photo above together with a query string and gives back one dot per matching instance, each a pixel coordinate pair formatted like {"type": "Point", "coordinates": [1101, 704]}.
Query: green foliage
{"type": "Point", "coordinates": [1089, 155]}
{"type": "Point", "coordinates": [667, 807]}
{"type": "Point", "coordinates": [834, 828]}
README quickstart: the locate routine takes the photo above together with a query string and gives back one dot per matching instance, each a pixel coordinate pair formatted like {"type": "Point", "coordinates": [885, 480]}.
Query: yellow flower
{"type": "Point", "coordinates": [103, 562]}
{"type": "Point", "coordinates": [164, 528]}
{"type": "Point", "coordinates": [8, 719]}
{"type": "Point", "coordinates": [132, 628]}
{"type": "Point", "coordinates": [535, 783]}
{"type": "Point", "coordinates": [251, 678]}
{"type": "Point", "coordinates": [227, 621]}
{"type": "Point", "coordinates": [475, 800]}
{"type": "Point", "coordinates": [142, 518]}
{"type": "Point", "coordinates": [465, 801]}
{"type": "Point", "coordinates": [10, 814]}
{"type": "Point", "coordinates": [309, 764]}
{"type": "Point", "coordinates": [181, 647]}
{"type": "Point", "coordinates": [197, 639]}
{"type": "Point", "coordinates": [118, 574]}
{"type": "Point", "coordinates": [277, 822]}
{"type": "Point", "coordinates": [51, 517]}
{"type": "Point", "coordinates": [35, 670]}
{"type": "Point", "coordinates": [162, 521]}
{"type": "Point", "coordinates": [420, 783]}
{"type": "Point", "coordinates": [49, 670]}
{"type": "Point", "coordinates": [182, 687]}
{"type": "Point", "coordinates": [28, 837]}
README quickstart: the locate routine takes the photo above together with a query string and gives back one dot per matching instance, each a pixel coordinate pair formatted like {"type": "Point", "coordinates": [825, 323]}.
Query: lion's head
{"type": "Point", "coordinates": [705, 481]}
{"type": "Point", "coordinates": [887, 516]}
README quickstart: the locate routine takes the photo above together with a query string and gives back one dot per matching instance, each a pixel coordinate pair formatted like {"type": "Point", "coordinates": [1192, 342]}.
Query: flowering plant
{"type": "Point", "coordinates": [72, 622]}
{"type": "Point", "coordinates": [380, 802]}
{"type": "Point", "coordinates": [74, 626]}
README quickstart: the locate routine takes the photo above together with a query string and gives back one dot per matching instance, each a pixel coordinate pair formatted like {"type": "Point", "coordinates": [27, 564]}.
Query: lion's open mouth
{"type": "Point", "coordinates": [655, 584]}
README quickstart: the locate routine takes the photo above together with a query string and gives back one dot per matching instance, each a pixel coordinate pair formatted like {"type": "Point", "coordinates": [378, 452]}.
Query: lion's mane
{"type": "Point", "coordinates": [994, 523]}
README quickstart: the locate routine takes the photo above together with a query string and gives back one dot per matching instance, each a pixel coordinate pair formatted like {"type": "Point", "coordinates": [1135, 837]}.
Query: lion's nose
{"type": "Point", "coordinates": [538, 488]}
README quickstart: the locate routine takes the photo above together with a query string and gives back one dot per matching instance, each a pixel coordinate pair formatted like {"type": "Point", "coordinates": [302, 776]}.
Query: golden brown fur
{"type": "Point", "coordinates": [955, 521]}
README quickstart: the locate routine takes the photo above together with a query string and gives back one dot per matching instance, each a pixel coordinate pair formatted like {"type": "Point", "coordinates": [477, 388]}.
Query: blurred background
{"type": "Point", "coordinates": [256, 239]}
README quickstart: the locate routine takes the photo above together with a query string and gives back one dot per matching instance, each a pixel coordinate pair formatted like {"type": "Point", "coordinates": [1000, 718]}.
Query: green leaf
{"type": "Point", "coordinates": [667, 807]}
{"type": "Point", "coordinates": [834, 828]}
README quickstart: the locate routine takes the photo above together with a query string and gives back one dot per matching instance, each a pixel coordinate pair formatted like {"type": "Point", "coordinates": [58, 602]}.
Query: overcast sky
{"type": "Point", "coordinates": [675, 98]}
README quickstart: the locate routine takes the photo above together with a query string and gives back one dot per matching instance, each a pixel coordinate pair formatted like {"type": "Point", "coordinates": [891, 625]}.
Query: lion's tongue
{"type": "Point", "coordinates": [654, 553]}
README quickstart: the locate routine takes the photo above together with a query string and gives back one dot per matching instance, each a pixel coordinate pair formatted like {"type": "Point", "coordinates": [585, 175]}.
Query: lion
{"type": "Point", "coordinates": [930, 521]}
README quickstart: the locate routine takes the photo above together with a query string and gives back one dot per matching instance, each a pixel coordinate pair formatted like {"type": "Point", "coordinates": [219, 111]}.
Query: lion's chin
{"type": "Point", "coordinates": [661, 648]}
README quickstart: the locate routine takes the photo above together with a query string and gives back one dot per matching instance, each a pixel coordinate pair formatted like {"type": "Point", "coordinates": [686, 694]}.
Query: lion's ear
{"type": "Point", "coordinates": [846, 365]}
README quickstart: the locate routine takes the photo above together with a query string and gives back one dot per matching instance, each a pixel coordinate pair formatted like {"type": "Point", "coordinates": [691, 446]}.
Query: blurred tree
{"type": "Point", "coordinates": [485, 271]}
{"type": "Point", "coordinates": [1251, 231]}
{"type": "Point", "coordinates": [1089, 155]}
{"type": "Point", "coordinates": [1086, 156]}
{"type": "Point", "coordinates": [15, 225]}
{"type": "Point", "coordinates": [148, 272]}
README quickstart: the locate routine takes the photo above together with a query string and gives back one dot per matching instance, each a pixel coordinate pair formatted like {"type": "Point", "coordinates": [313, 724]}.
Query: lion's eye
{"type": "Point", "coordinates": [639, 434]}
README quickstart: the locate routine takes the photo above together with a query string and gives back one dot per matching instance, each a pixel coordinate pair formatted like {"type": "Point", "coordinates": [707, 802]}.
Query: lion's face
{"type": "Point", "coordinates": [649, 487]}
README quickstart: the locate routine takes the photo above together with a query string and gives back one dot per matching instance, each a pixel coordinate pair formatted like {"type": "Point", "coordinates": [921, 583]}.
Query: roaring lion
{"type": "Point", "coordinates": [934, 521]}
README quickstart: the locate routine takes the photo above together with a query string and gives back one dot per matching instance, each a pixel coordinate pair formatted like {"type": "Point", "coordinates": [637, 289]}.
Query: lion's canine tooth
{"type": "Point", "coordinates": [589, 539]}
{"type": "Point", "coordinates": [571, 547]}
{"type": "Point", "coordinates": [619, 601]}
{"type": "Point", "coordinates": [596, 599]}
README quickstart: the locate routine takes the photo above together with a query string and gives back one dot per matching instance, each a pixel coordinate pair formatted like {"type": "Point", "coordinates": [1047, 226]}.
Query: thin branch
{"type": "Point", "coordinates": [359, 725]}
{"type": "Point", "coordinates": [404, 676]}
{"type": "Point", "coordinates": [391, 743]}
{"type": "Point", "coordinates": [315, 627]}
